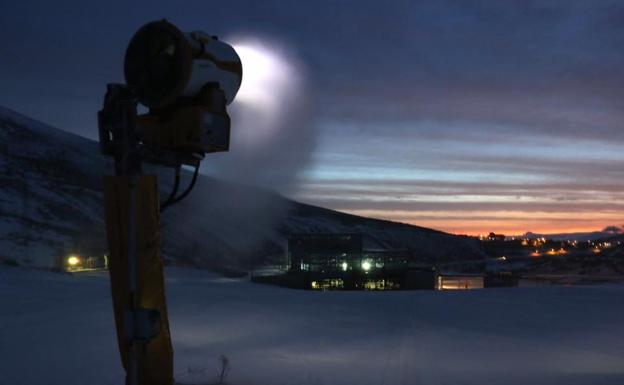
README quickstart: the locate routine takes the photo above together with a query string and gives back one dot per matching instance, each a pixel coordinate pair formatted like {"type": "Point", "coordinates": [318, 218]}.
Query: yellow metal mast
{"type": "Point", "coordinates": [186, 80]}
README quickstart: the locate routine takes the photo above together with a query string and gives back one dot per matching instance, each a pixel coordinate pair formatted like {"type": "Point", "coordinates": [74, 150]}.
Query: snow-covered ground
{"type": "Point", "coordinates": [58, 329]}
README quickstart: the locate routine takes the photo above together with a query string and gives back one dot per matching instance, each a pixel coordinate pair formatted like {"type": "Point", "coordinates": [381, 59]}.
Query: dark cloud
{"type": "Point", "coordinates": [521, 205]}
{"type": "Point", "coordinates": [467, 97]}
{"type": "Point", "coordinates": [504, 61]}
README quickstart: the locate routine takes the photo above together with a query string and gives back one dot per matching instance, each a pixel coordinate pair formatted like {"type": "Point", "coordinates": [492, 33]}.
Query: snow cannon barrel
{"type": "Point", "coordinates": [164, 65]}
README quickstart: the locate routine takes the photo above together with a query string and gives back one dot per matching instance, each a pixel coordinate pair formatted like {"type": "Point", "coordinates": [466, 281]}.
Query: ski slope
{"type": "Point", "coordinates": [58, 330]}
{"type": "Point", "coordinates": [51, 205]}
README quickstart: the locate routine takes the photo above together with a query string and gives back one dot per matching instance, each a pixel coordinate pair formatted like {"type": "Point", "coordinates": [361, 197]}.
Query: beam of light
{"type": "Point", "coordinates": [273, 130]}
{"type": "Point", "coordinates": [270, 82]}
{"type": "Point", "coordinates": [264, 72]}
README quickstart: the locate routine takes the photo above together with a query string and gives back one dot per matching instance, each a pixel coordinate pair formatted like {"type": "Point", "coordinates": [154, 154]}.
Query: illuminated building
{"type": "Point", "coordinates": [339, 261]}
{"type": "Point", "coordinates": [460, 282]}
{"type": "Point", "coordinates": [75, 263]}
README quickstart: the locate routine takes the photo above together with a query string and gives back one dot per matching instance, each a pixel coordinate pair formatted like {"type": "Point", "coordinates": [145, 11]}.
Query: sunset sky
{"type": "Point", "coordinates": [464, 116]}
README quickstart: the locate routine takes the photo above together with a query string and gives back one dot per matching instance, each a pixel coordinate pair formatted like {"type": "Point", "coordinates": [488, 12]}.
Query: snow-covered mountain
{"type": "Point", "coordinates": [51, 205]}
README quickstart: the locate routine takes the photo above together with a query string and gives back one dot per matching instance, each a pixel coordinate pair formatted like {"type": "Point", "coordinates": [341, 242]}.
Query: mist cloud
{"type": "Point", "coordinates": [274, 131]}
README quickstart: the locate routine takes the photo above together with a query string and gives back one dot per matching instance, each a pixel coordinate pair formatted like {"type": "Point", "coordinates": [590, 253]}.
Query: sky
{"type": "Point", "coordinates": [464, 116]}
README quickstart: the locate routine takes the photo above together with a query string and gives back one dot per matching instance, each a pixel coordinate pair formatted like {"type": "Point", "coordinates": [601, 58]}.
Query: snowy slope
{"type": "Point", "coordinates": [51, 205]}
{"type": "Point", "coordinates": [58, 330]}
{"type": "Point", "coordinates": [50, 196]}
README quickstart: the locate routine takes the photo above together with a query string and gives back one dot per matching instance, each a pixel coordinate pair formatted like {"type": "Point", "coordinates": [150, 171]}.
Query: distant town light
{"type": "Point", "coordinates": [73, 260]}
{"type": "Point", "coordinates": [366, 265]}
{"type": "Point", "coordinates": [345, 266]}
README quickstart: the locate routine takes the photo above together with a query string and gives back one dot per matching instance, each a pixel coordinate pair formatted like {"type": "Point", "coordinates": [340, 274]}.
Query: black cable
{"type": "Point", "coordinates": [176, 184]}
{"type": "Point", "coordinates": [172, 198]}
{"type": "Point", "coordinates": [189, 188]}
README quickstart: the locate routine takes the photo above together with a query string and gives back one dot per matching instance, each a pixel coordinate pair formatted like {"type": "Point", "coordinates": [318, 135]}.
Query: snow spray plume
{"type": "Point", "coordinates": [272, 136]}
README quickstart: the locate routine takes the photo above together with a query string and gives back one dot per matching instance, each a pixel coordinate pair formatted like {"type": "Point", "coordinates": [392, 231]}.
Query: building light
{"type": "Point", "coordinates": [73, 260]}
{"type": "Point", "coordinates": [345, 266]}
{"type": "Point", "coordinates": [366, 265]}
{"type": "Point", "coordinates": [314, 285]}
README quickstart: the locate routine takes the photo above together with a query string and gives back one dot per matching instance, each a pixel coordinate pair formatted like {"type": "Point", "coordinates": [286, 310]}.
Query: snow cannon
{"type": "Point", "coordinates": [164, 65]}
{"type": "Point", "coordinates": [186, 80]}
